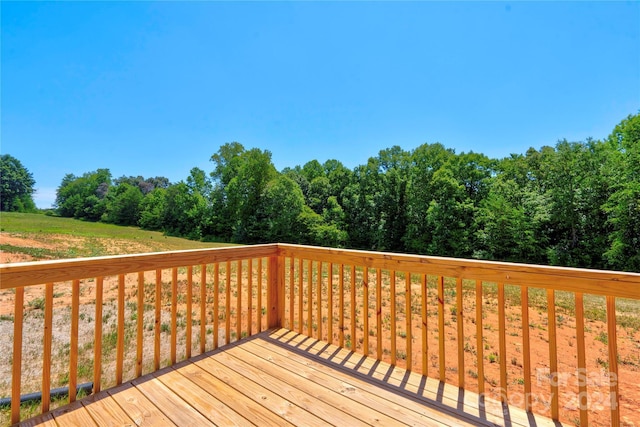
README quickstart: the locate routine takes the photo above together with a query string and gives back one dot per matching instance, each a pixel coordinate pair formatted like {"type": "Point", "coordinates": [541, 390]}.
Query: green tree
{"type": "Point", "coordinates": [16, 186]}
{"type": "Point", "coordinates": [83, 197]}
{"type": "Point", "coordinates": [123, 204]}
{"type": "Point", "coordinates": [152, 209]}
{"type": "Point", "coordinates": [623, 206]}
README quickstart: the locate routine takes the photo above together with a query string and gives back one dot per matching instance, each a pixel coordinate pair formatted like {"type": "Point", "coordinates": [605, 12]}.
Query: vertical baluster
{"type": "Point", "coordinates": [353, 307]}
{"type": "Point", "coordinates": [227, 304]}
{"type": "Point", "coordinates": [330, 304]}
{"type": "Point", "coordinates": [157, 320]}
{"type": "Point", "coordinates": [407, 303]}
{"type": "Point", "coordinates": [46, 353]}
{"type": "Point", "coordinates": [441, 361]}
{"type": "Point", "coordinates": [309, 297]}
{"type": "Point", "coordinates": [189, 309]}
{"type": "Point", "coordinates": [613, 361]}
{"type": "Point", "coordinates": [319, 300]}
{"type": "Point", "coordinates": [203, 310]}
{"type": "Point", "coordinates": [553, 354]}
{"type": "Point", "coordinates": [425, 335]}
{"type": "Point", "coordinates": [341, 303]}
{"type": "Point", "coordinates": [365, 310]}
{"type": "Point", "coordinates": [249, 297]}
{"type": "Point", "coordinates": [216, 304]}
{"type": "Point", "coordinates": [526, 346]}
{"type": "Point", "coordinates": [300, 296]}
{"type": "Point", "coordinates": [259, 295]}
{"type": "Point", "coordinates": [392, 332]}
{"type": "Point", "coordinates": [582, 364]}
{"type": "Point", "coordinates": [140, 324]}
{"type": "Point", "coordinates": [479, 340]}
{"type": "Point", "coordinates": [97, 347]}
{"type": "Point", "coordinates": [502, 343]}
{"type": "Point", "coordinates": [174, 314]}
{"type": "Point", "coordinates": [120, 338]}
{"type": "Point", "coordinates": [17, 355]}
{"type": "Point", "coordinates": [460, 326]}
{"type": "Point", "coordinates": [292, 284]}
{"type": "Point", "coordinates": [379, 313]}
{"type": "Point", "coordinates": [73, 350]}
{"type": "Point", "coordinates": [239, 300]}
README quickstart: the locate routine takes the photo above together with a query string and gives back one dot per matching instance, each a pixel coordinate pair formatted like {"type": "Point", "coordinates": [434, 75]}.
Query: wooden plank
{"type": "Point", "coordinates": [140, 409]}
{"type": "Point", "coordinates": [239, 300]}
{"type": "Point", "coordinates": [73, 347]}
{"type": "Point", "coordinates": [502, 344]}
{"type": "Point", "coordinates": [157, 320]}
{"type": "Point", "coordinates": [599, 282]}
{"type": "Point", "coordinates": [460, 328]}
{"type": "Point", "coordinates": [203, 307]}
{"type": "Point", "coordinates": [553, 354]}
{"type": "Point", "coordinates": [249, 296]}
{"type": "Point", "coordinates": [612, 340]}
{"type": "Point", "coordinates": [189, 331]}
{"type": "Point", "coordinates": [300, 295]}
{"type": "Point", "coordinates": [44, 420]}
{"type": "Point", "coordinates": [275, 292]}
{"type": "Point", "coordinates": [174, 314]}
{"type": "Point", "coordinates": [140, 325]}
{"type": "Point", "coordinates": [354, 339]}
{"type": "Point", "coordinates": [479, 338]}
{"type": "Point", "coordinates": [73, 414]}
{"type": "Point", "coordinates": [441, 353]}
{"type": "Point", "coordinates": [379, 314]}
{"type": "Point", "coordinates": [259, 294]}
{"type": "Point", "coordinates": [216, 307]}
{"type": "Point", "coordinates": [365, 311]}
{"type": "Point", "coordinates": [292, 281]}
{"type": "Point", "coordinates": [120, 336]}
{"type": "Point", "coordinates": [309, 297]}
{"type": "Point", "coordinates": [329, 406]}
{"type": "Point", "coordinates": [264, 394]}
{"type": "Point", "coordinates": [445, 397]}
{"type": "Point", "coordinates": [97, 347]}
{"type": "Point", "coordinates": [319, 299]}
{"type": "Point", "coordinates": [227, 303]}
{"type": "Point", "coordinates": [105, 411]}
{"type": "Point", "coordinates": [372, 399]}
{"type": "Point", "coordinates": [329, 304]}
{"type": "Point", "coordinates": [35, 273]}
{"type": "Point", "coordinates": [207, 404]}
{"type": "Point", "coordinates": [425, 325]}
{"type": "Point", "coordinates": [251, 407]}
{"type": "Point", "coordinates": [46, 351]}
{"type": "Point", "coordinates": [16, 371]}
{"type": "Point", "coordinates": [172, 405]}
{"type": "Point", "coordinates": [341, 304]}
{"type": "Point", "coordinates": [392, 297]}
{"type": "Point", "coordinates": [526, 348]}
{"type": "Point", "coordinates": [582, 363]}
{"type": "Point", "coordinates": [407, 309]}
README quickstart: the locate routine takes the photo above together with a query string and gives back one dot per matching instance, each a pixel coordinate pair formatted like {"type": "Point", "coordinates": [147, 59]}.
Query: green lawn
{"type": "Point", "coordinates": [70, 238]}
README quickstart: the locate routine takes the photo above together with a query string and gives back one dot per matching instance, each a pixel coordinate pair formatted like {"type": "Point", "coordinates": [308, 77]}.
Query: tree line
{"type": "Point", "coordinates": [573, 204]}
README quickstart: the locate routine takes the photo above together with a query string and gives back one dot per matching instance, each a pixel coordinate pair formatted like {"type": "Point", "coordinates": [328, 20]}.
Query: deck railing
{"type": "Point", "coordinates": [560, 342]}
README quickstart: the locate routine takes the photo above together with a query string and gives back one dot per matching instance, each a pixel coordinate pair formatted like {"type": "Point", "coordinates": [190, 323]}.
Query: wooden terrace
{"type": "Point", "coordinates": [294, 335]}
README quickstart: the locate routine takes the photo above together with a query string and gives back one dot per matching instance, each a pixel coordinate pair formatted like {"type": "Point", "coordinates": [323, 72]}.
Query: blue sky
{"type": "Point", "coordinates": [154, 88]}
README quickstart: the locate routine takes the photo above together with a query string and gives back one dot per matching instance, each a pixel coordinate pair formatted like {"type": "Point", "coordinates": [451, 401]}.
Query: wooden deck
{"type": "Point", "coordinates": [279, 378]}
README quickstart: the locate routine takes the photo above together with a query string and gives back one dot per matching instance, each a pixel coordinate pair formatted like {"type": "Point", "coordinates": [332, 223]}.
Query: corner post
{"type": "Point", "coordinates": [275, 291]}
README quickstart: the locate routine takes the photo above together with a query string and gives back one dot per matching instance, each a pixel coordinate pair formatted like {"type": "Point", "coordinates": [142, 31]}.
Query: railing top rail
{"type": "Point", "coordinates": [39, 272]}
{"type": "Point", "coordinates": [598, 282]}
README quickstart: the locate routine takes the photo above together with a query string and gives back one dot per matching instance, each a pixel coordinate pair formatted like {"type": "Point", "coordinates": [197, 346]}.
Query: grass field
{"type": "Point", "coordinates": [38, 237]}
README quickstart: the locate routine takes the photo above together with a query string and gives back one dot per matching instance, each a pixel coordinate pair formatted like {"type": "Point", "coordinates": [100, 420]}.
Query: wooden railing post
{"type": "Point", "coordinates": [275, 291]}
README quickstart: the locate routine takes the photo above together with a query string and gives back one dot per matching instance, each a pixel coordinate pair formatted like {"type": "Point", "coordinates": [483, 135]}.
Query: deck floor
{"type": "Point", "coordinates": [282, 378]}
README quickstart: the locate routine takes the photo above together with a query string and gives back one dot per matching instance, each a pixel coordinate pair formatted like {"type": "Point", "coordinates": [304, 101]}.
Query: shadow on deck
{"type": "Point", "coordinates": [279, 378]}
